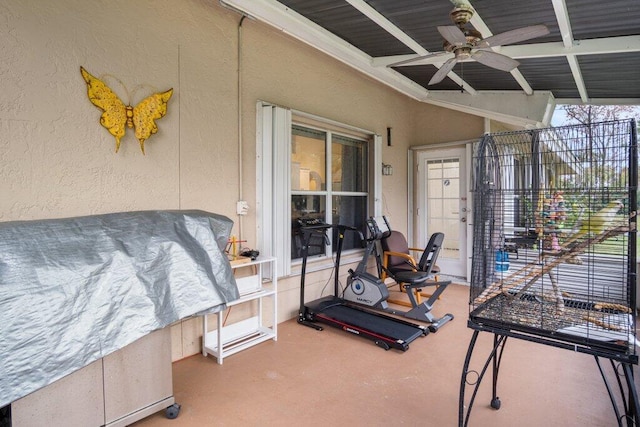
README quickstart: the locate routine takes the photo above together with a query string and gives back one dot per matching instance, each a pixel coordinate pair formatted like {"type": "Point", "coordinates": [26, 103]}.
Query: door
{"type": "Point", "coordinates": [442, 206]}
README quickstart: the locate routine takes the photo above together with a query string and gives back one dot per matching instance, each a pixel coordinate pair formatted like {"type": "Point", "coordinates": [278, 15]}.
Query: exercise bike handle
{"type": "Point", "coordinates": [316, 227]}
{"type": "Point", "coordinates": [343, 228]}
{"type": "Point", "coordinates": [308, 230]}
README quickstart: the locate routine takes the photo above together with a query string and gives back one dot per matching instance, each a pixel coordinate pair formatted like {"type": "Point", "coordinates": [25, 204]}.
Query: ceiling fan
{"type": "Point", "coordinates": [467, 44]}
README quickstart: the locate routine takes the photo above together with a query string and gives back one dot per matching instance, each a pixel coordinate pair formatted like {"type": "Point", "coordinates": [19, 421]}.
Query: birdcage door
{"type": "Point", "coordinates": [443, 206]}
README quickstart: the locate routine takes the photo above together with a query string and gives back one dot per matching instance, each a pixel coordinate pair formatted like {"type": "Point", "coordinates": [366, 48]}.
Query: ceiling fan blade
{"type": "Point", "coordinates": [443, 71]}
{"type": "Point", "coordinates": [495, 60]}
{"type": "Point", "coordinates": [453, 35]}
{"type": "Point", "coordinates": [418, 58]}
{"type": "Point", "coordinates": [514, 36]}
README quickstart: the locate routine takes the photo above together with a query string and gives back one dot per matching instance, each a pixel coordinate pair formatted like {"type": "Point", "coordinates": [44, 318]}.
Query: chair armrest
{"type": "Point", "coordinates": [409, 258]}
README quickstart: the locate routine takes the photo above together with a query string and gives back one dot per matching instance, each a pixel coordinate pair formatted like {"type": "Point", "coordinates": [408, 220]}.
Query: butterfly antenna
{"type": "Point", "coordinates": [126, 91]}
{"type": "Point", "coordinates": [152, 89]}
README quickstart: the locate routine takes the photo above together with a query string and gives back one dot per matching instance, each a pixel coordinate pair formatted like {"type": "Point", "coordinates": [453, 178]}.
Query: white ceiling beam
{"type": "Point", "coordinates": [514, 108]}
{"type": "Point", "coordinates": [602, 46]}
{"type": "Point", "coordinates": [577, 77]}
{"type": "Point", "coordinates": [562, 16]}
{"type": "Point", "coordinates": [396, 32]}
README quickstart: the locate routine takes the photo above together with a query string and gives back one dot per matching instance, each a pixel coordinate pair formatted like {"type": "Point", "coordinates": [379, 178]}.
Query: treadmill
{"type": "Point", "coordinates": [385, 331]}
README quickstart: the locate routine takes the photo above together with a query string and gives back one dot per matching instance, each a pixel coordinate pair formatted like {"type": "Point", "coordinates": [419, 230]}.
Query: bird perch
{"type": "Point", "coordinates": [531, 273]}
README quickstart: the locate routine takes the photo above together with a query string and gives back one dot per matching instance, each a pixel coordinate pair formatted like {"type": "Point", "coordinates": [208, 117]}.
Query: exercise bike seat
{"type": "Point", "coordinates": [409, 278]}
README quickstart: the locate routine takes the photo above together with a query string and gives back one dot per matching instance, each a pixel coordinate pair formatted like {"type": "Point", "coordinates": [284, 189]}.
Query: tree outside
{"type": "Point", "coordinates": [600, 145]}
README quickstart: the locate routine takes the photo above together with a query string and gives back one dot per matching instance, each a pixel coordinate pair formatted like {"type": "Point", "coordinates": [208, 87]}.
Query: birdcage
{"type": "Point", "coordinates": [554, 239]}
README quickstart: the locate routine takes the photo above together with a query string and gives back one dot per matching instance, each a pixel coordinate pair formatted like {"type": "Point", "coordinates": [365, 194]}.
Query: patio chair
{"type": "Point", "coordinates": [399, 265]}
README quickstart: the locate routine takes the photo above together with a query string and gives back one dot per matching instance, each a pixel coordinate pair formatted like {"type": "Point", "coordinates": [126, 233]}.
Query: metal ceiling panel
{"type": "Point", "coordinates": [596, 18]}
{"type": "Point", "coordinates": [552, 74]}
{"type": "Point", "coordinates": [481, 77]}
{"type": "Point", "coordinates": [419, 19]}
{"type": "Point", "coordinates": [505, 15]}
{"type": "Point", "coordinates": [348, 23]}
{"type": "Point", "coordinates": [611, 76]}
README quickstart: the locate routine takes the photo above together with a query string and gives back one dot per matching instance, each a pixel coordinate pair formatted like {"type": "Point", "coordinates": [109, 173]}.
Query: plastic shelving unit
{"type": "Point", "coordinates": [226, 340]}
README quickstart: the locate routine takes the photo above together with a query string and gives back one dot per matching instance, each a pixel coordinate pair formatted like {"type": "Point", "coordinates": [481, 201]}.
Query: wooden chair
{"type": "Point", "coordinates": [397, 258]}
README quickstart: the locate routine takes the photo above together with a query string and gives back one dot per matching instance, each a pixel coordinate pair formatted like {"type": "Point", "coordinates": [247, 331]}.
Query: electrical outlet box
{"type": "Point", "coordinates": [242, 207]}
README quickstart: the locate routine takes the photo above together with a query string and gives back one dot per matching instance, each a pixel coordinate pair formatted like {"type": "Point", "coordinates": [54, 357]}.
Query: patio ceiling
{"type": "Point", "coordinates": [591, 54]}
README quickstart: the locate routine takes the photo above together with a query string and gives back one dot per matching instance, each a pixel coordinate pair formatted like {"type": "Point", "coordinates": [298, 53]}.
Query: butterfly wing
{"type": "Point", "coordinates": [146, 112]}
{"type": "Point", "coordinates": [114, 112]}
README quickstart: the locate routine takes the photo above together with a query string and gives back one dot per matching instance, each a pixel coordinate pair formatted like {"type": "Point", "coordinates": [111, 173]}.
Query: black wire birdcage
{"type": "Point", "coordinates": [554, 234]}
{"type": "Point", "coordinates": [554, 241]}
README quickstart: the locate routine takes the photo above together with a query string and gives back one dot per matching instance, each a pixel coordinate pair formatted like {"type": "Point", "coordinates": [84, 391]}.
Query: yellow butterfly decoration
{"type": "Point", "coordinates": [116, 115]}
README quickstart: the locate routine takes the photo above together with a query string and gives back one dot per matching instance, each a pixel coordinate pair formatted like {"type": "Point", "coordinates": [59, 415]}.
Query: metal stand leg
{"type": "Point", "coordinates": [498, 348]}
{"type": "Point", "coordinates": [495, 400]}
{"type": "Point", "coordinates": [632, 410]}
{"type": "Point", "coordinates": [629, 398]}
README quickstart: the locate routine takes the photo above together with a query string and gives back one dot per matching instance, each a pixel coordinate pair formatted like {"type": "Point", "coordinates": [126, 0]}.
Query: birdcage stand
{"type": "Point", "coordinates": [628, 416]}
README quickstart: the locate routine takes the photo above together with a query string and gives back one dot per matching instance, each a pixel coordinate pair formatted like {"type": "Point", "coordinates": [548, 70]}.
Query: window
{"type": "Point", "coordinates": [311, 168]}
{"type": "Point", "coordinates": [321, 156]}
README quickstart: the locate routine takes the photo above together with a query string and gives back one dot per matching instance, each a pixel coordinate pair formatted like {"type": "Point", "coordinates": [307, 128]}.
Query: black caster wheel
{"type": "Point", "coordinates": [495, 403]}
{"type": "Point", "coordinates": [172, 411]}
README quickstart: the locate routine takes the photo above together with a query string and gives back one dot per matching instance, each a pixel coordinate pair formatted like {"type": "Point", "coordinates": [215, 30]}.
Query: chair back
{"type": "Point", "coordinates": [430, 254]}
{"type": "Point", "coordinates": [396, 242]}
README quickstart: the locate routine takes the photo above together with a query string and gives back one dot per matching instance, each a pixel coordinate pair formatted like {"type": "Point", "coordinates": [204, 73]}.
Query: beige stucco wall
{"type": "Point", "coordinates": [56, 160]}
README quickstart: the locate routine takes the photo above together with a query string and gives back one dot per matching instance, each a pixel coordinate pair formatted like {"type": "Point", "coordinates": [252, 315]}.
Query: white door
{"type": "Point", "coordinates": [442, 206]}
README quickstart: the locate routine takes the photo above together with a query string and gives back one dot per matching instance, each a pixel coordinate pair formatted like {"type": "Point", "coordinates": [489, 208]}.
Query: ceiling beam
{"type": "Point", "coordinates": [562, 16]}
{"type": "Point", "coordinates": [515, 108]}
{"type": "Point", "coordinates": [601, 46]}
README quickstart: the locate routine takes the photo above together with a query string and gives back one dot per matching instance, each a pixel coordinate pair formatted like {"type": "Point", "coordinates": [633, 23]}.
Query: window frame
{"type": "Point", "coordinates": [273, 179]}
{"type": "Point", "coordinates": [328, 193]}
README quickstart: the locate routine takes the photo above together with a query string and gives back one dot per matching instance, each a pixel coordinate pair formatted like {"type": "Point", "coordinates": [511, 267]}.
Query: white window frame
{"type": "Point", "coordinates": [273, 186]}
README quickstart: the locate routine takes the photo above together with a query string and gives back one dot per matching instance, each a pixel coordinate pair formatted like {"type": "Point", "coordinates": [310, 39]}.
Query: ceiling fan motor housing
{"type": "Point", "coordinates": [464, 51]}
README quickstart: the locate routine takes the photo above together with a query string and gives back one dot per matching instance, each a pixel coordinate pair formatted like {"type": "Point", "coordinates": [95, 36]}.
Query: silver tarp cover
{"type": "Point", "coordinates": [74, 290]}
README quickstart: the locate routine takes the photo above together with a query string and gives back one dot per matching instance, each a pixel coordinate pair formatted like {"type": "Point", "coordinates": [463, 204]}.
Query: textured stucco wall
{"type": "Point", "coordinates": [56, 160]}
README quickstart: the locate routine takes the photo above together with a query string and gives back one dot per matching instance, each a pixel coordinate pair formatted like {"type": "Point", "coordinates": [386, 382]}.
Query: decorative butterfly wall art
{"type": "Point", "coordinates": [116, 116]}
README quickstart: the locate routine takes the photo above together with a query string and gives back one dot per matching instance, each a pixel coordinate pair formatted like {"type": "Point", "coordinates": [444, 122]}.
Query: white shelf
{"type": "Point", "coordinates": [237, 337]}
{"type": "Point", "coordinates": [246, 333]}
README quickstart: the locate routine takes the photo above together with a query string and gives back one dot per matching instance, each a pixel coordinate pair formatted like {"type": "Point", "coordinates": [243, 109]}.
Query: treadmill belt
{"type": "Point", "coordinates": [372, 323]}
